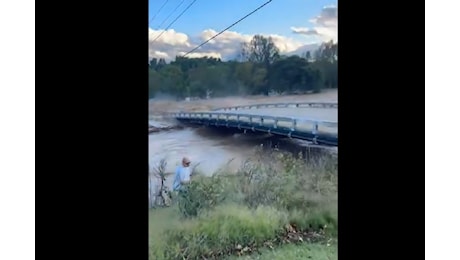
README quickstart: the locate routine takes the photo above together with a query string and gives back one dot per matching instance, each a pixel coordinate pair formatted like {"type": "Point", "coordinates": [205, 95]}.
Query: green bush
{"type": "Point", "coordinates": [275, 179]}
{"type": "Point", "coordinates": [203, 193]}
{"type": "Point", "coordinates": [287, 182]}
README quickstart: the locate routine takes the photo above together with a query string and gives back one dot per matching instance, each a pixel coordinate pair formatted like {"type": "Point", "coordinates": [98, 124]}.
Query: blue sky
{"type": "Point", "coordinates": [279, 17]}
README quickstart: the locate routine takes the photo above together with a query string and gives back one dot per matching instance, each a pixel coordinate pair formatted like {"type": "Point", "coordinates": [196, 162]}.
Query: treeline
{"type": "Point", "coordinates": [260, 69]}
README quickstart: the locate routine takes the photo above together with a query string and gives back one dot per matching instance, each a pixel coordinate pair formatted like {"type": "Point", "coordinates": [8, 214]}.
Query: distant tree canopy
{"type": "Point", "coordinates": [260, 70]}
{"type": "Point", "coordinates": [260, 50]}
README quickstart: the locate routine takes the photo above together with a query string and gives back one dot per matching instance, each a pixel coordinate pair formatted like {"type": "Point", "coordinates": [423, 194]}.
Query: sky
{"type": "Point", "coordinates": [295, 26]}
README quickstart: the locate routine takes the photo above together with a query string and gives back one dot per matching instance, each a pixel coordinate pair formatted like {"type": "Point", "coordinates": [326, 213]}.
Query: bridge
{"type": "Point", "coordinates": [312, 121]}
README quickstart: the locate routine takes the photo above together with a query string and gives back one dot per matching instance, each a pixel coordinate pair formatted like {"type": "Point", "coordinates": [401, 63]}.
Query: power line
{"type": "Point", "coordinates": [227, 28]}
{"type": "Point", "coordinates": [175, 20]}
{"type": "Point", "coordinates": [151, 20]}
{"type": "Point", "coordinates": [159, 26]}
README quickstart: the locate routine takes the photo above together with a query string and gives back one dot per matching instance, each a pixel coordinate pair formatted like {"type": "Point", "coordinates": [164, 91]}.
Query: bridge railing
{"type": "Point", "coordinates": [281, 105]}
{"type": "Point", "coordinates": [273, 122]}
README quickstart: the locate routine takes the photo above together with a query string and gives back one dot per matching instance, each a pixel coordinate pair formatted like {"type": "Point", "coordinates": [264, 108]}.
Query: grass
{"type": "Point", "coordinates": [294, 252]}
{"type": "Point", "coordinates": [160, 220]}
{"type": "Point", "coordinates": [269, 203]}
{"type": "Point", "coordinates": [222, 231]}
{"type": "Point", "coordinates": [227, 230]}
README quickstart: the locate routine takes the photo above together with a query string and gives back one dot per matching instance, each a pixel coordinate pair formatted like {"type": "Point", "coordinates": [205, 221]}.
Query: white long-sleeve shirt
{"type": "Point", "coordinates": [182, 174]}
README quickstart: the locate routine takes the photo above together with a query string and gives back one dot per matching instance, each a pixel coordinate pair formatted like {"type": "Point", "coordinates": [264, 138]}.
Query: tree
{"type": "Point", "coordinates": [308, 56]}
{"type": "Point", "coordinates": [327, 52]}
{"type": "Point", "coordinates": [161, 64]}
{"type": "Point", "coordinates": [262, 70]}
{"type": "Point", "coordinates": [260, 50]}
{"type": "Point", "coordinates": [153, 63]}
{"type": "Point", "coordinates": [154, 83]}
{"type": "Point", "coordinates": [243, 74]}
{"type": "Point", "coordinates": [259, 82]}
{"type": "Point", "coordinates": [326, 61]}
{"type": "Point", "coordinates": [172, 81]}
{"type": "Point", "coordinates": [293, 73]}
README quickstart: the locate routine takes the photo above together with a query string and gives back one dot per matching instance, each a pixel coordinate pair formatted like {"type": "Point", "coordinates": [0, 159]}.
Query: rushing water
{"type": "Point", "coordinates": [212, 149]}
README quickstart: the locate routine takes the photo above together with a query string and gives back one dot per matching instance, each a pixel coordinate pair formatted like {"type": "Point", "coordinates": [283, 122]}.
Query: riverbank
{"type": "Point", "coordinates": [274, 200]}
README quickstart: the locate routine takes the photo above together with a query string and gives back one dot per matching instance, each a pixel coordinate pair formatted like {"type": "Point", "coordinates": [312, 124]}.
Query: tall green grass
{"type": "Point", "coordinates": [294, 252]}
{"type": "Point", "coordinates": [221, 231]}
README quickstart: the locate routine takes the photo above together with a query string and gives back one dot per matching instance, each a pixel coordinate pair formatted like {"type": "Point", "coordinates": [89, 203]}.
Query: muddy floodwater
{"type": "Point", "coordinates": [210, 148]}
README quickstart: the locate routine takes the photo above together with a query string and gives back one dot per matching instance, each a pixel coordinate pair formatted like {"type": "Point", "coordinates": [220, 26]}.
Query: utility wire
{"type": "Point", "coordinates": [226, 28]}
{"type": "Point", "coordinates": [151, 20]}
{"type": "Point", "coordinates": [159, 26]}
{"type": "Point", "coordinates": [175, 20]}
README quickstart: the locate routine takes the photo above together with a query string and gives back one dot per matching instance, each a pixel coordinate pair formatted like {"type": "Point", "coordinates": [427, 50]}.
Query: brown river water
{"type": "Point", "coordinates": [213, 149]}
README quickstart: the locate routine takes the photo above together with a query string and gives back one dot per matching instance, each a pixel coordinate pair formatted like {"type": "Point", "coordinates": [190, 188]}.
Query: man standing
{"type": "Point", "coordinates": [183, 174]}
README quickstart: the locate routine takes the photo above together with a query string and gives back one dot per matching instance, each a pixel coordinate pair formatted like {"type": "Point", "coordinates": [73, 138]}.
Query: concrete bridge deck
{"type": "Point", "coordinates": [316, 122]}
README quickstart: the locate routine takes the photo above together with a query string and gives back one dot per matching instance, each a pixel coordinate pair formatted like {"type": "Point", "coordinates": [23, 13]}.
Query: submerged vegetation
{"type": "Point", "coordinates": [274, 199]}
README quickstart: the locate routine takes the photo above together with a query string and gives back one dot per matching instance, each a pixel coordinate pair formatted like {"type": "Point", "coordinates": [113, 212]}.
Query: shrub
{"type": "Point", "coordinates": [287, 182]}
{"type": "Point", "coordinates": [203, 193]}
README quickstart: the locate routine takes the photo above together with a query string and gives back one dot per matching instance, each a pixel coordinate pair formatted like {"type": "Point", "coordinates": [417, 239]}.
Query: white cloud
{"type": "Point", "coordinates": [225, 37]}
{"type": "Point", "coordinates": [304, 30]}
{"type": "Point", "coordinates": [326, 25]}
{"type": "Point", "coordinates": [169, 37]}
{"type": "Point", "coordinates": [285, 44]}
{"type": "Point", "coordinates": [225, 46]}
{"type": "Point", "coordinates": [201, 54]}
{"type": "Point", "coordinates": [166, 45]}
{"type": "Point", "coordinates": [160, 54]}
{"type": "Point", "coordinates": [327, 17]}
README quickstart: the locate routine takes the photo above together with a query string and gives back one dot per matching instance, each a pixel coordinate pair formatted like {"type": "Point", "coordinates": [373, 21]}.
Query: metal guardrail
{"type": "Point", "coordinates": [282, 105]}
{"type": "Point", "coordinates": [274, 122]}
